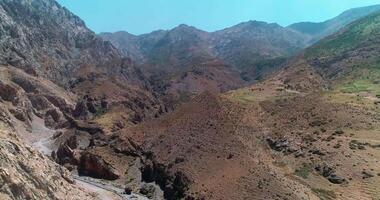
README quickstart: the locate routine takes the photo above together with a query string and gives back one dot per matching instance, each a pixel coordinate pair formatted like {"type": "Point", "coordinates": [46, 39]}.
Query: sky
{"type": "Point", "coordinates": [144, 16]}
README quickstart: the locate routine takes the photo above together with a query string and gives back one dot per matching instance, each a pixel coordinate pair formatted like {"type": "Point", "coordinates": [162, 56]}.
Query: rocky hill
{"type": "Point", "coordinates": [307, 131]}
{"type": "Point", "coordinates": [256, 48]}
{"type": "Point", "coordinates": [246, 53]}
{"type": "Point", "coordinates": [56, 74]}
{"type": "Point", "coordinates": [27, 105]}
{"type": "Point", "coordinates": [46, 40]}
{"type": "Point", "coordinates": [238, 55]}
{"type": "Point", "coordinates": [310, 131]}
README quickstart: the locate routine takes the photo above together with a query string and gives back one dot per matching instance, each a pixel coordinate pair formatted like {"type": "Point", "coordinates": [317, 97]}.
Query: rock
{"type": "Point", "coordinates": [299, 154]}
{"type": "Point", "coordinates": [367, 175]}
{"type": "Point", "coordinates": [128, 190]}
{"type": "Point", "coordinates": [54, 118]}
{"type": "Point", "coordinates": [8, 93]}
{"type": "Point", "coordinates": [89, 127]}
{"type": "Point", "coordinates": [59, 103]}
{"type": "Point", "coordinates": [89, 107]}
{"type": "Point", "coordinates": [19, 114]}
{"type": "Point", "coordinates": [339, 132]}
{"type": "Point", "coordinates": [180, 160]}
{"type": "Point", "coordinates": [317, 123]}
{"type": "Point", "coordinates": [148, 190]}
{"type": "Point", "coordinates": [67, 152]}
{"type": "Point", "coordinates": [94, 166]}
{"type": "Point", "coordinates": [126, 147]}
{"type": "Point", "coordinates": [354, 144]}
{"type": "Point", "coordinates": [336, 179]}
{"type": "Point", "coordinates": [278, 145]}
{"type": "Point", "coordinates": [329, 174]}
{"type": "Point", "coordinates": [324, 170]}
{"type": "Point", "coordinates": [80, 110]}
{"type": "Point", "coordinates": [27, 174]}
{"type": "Point", "coordinates": [337, 146]}
{"type": "Point", "coordinates": [39, 102]}
{"type": "Point", "coordinates": [317, 152]}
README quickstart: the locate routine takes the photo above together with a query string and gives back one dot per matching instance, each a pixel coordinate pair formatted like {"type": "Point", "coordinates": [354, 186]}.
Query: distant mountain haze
{"type": "Point", "coordinates": [319, 30]}
{"type": "Point", "coordinates": [252, 48]}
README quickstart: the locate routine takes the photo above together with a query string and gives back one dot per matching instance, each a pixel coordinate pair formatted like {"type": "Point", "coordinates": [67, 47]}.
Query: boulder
{"type": "Point", "coordinates": [329, 174]}
{"type": "Point", "coordinates": [333, 178]}
{"type": "Point", "coordinates": [54, 118]}
{"type": "Point", "coordinates": [278, 145]}
{"type": "Point", "coordinates": [94, 166]}
{"type": "Point", "coordinates": [148, 190]}
{"type": "Point", "coordinates": [39, 102]}
{"type": "Point", "coordinates": [19, 114]}
{"type": "Point", "coordinates": [367, 175]}
{"type": "Point", "coordinates": [8, 93]}
{"type": "Point", "coordinates": [128, 190]}
{"type": "Point", "coordinates": [89, 107]}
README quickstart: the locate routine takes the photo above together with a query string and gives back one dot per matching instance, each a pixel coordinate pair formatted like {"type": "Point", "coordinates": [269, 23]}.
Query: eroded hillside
{"type": "Point", "coordinates": [308, 131]}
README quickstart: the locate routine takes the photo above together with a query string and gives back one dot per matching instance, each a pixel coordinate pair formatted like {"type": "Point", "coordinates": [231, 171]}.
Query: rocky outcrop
{"type": "Point", "coordinates": [174, 185]}
{"type": "Point", "coordinates": [27, 174]}
{"type": "Point", "coordinates": [89, 107]}
{"type": "Point", "coordinates": [50, 43]}
{"type": "Point", "coordinates": [94, 166]}
{"type": "Point", "coordinates": [329, 174]}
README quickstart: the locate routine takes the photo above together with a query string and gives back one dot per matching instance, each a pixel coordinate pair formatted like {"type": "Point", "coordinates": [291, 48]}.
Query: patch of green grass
{"type": "Point", "coordinates": [303, 171]}
{"type": "Point", "coordinates": [324, 194]}
{"type": "Point", "coordinates": [243, 96]}
{"type": "Point", "coordinates": [363, 85]}
{"type": "Point", "coordinates": [364, 80]}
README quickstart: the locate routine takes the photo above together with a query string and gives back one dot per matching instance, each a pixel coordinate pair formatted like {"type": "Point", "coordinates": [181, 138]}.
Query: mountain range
{"type": "Point", "coordinates": [251, 50]}
{"type": "Point", "coordinates": [254, 111]}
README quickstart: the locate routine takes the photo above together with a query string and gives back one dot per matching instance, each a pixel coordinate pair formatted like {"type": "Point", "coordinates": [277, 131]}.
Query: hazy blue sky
{"type": "Point", "coordinates": [142, 16]}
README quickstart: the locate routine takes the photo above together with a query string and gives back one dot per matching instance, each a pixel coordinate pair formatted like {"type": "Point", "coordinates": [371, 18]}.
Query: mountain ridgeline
{"type": "Point", "coordinates": [245, 47]}
{"type": "Point", "coordinates": [320, 30]}
{"type": "Point", "coordinates": [180, 61]}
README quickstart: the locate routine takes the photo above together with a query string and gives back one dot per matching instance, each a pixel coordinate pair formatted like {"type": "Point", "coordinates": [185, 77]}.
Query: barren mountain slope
{"type": "Point", "coordinates": [60, 82]}
{"type": "Point", "coordinates": [311, 131]}
{"type": "Point", "coordinates": [226, 59]}
{"type": "Point", "coordinates": [26, 173]}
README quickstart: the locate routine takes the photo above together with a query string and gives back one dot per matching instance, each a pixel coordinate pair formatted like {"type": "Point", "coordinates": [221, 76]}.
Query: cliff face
{"type": "Point", "coordinates": [27, 174]}
{"type": "Point", "coordinates": [44, 38]}
{"type": "Point", "coordinates": [53, 72]}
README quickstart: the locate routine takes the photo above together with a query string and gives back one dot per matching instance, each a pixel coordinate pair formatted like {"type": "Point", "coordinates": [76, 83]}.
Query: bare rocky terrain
{"type": "Point", "coordinates": [80, 120]}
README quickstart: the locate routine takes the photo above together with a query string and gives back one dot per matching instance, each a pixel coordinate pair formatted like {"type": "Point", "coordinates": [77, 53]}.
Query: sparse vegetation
{"type": "Point", "coordinates": [304, 171]}
{"type": "Point", "coordinates": [324, 194]}
{"type": "Point", "coordinates": [365, 79]}
{"type": "Point", "coordinates": [359, 32]}
{"type": "Point", "coordinates": [243, 96]}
